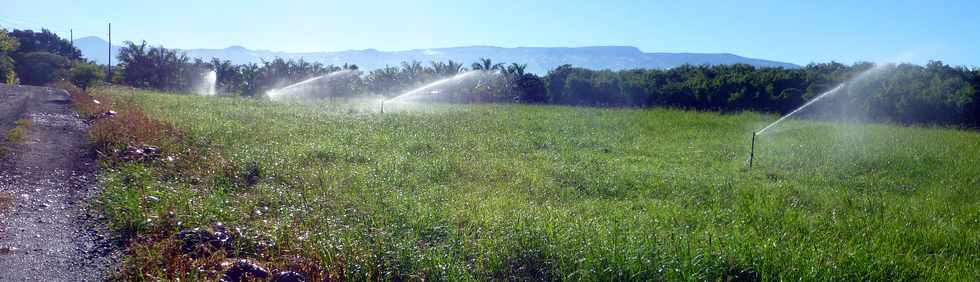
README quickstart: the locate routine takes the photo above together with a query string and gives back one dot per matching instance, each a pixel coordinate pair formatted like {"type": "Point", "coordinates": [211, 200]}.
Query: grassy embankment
{"type": "Point", "coordinates": [509, 191]}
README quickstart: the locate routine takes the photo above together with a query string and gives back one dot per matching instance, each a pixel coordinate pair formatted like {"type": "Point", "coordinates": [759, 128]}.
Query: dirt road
{"type": "Point", "coordinates": [47, 232]}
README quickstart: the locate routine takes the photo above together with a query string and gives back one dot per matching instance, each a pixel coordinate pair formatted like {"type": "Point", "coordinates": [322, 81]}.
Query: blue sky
{"type": "Point", "coordinates": [793, 31]}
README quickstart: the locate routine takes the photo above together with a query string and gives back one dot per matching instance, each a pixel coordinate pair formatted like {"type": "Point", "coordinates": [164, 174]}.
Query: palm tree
{"type": "Point", "coordinates": [412, 71]}
{"type": "Point", "coordinates": [449, 68]}
{"type": "Point", "coordinates": [485, 64]}
{"type": "Point", "coordinates": [454, 68]}
{"type": "Point", "coordinates": [515, 69]}
{"type": "Point", "coordinates": [385, 80]}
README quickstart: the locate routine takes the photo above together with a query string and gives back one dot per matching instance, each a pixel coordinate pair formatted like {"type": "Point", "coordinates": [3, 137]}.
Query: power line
{"type": "Point", "coordinates": [28, 23]}
{"type": "Point", "coordinates": [11, 25]}
{"type": "Point", "coordinates": [15, 25]}
{"type": "Point", "coordinates": [32, 25]}
{"type": "Point", "coordinates": [20, 20]}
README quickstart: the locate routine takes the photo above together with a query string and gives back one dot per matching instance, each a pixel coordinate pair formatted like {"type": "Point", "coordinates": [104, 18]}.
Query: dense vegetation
{"type": "Point", "coordinates": [7, 45]}
{"type": "Point", "coordinates": [933, 94]}
{"type": "Point", "coordinates": [335, 190]}
{"type": "Point", "coordinates": [936, 93]}
{"type": "Point", "coordinates": [38, 58]}
{"type": "Point", "coordinates": [460, 192]}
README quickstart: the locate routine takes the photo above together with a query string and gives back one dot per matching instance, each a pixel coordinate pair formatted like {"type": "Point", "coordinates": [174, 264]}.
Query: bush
{"type": "Point", "coordinates": [7, 73]}
{"type": "Point", "coordinates": [85, 75]}
{"type": "Point", "coordinates": [7, 44]}
{"type": "Point", "coordinates": [531, 89]}
{"type": "Point", "coordinates": [39, 68]}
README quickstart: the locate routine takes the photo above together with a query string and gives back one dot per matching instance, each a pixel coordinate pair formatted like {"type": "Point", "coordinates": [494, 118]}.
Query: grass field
{"type": "Point", "coordinates": [461, 192]}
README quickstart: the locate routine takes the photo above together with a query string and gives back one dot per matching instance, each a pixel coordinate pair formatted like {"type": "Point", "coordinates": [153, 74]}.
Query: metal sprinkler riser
{"type": "Point", "coordinates": [752, 150]}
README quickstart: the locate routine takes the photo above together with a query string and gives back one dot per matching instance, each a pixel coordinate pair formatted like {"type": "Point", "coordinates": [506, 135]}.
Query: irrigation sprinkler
{"type": "Point", "coordinates": [382, 105]}
{"type": "Point", "coordinates": [752, 150]}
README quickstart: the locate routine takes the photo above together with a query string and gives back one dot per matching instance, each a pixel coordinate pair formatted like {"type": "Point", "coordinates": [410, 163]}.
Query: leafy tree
{"type": "Point", "coordinates": [39, 68]}
{"type": "Point", "coordinates": [384, 81]}
{"type": "Point", "coordinates": [136, 64]}
{"type": "Point", "coordinates": [349, 66]}
{"type": "Point", "coordinates": [975, 105]}
{"type": "Point", "coordinates": [555, 83]}
{"type": "Point", "coordinates": [44, 41]}
{"type": "Point", "coordinates": [531, 89]}
{"type": "Point", "coordinates": [86, 75]}
{"type": "Point", "coordinates": [8, 75]}
{"type": "Point", "coordinates": [8, 44]}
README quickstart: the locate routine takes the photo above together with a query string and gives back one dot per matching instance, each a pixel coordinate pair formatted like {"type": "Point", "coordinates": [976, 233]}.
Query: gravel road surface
{"type": "Point", "coordinates": [47, 230]}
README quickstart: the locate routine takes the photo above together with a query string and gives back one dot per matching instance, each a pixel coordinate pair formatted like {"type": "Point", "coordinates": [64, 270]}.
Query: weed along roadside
{"type": "Point", "coordinates": [122, 136]}
{"type": "Point", "coordinates": [332, 192]}
{"type": "Point", "coordinates": [14, 135]}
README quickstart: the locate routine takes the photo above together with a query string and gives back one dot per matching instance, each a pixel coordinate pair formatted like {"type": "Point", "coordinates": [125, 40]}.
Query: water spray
{"type": "Point", "coordinates": [843, 87]}
{"type": "Point", "coordinates": [297, 88]}
{"type": "Point", "coordinates": [208, 84]}
{"type": "Point", "coordinates": [435, 86]}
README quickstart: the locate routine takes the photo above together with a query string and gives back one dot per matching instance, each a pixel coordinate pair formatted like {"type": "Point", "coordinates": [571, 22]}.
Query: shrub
{"type": "Point", "coordinates": [39, 68]}
{"type": "Point", "coordinates": [86, 75]}
{"type": "Point", "coordinates": [7, 44]}
{"type": "Point", "coordinates": [7, 73]}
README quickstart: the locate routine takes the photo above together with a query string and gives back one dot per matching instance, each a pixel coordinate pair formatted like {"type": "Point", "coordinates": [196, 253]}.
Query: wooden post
{"type": "Point", "coordinates": [109, 62]}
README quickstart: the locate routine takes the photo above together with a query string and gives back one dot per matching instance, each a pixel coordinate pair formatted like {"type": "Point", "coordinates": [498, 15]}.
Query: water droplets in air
{"type": "Point", "coordinates": [469, 78]}
{"type": "Point", "coordinates": [208, 84]}
{"type": "Point", "coordinates": [843, 87]}
{"type": "Point", "coordinates": [310, 87]}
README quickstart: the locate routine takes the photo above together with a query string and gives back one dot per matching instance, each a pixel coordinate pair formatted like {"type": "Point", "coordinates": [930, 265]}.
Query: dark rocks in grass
{"type": "Point", "coordinates": [288, 276]}
{"type": "Point", "coordinates": [737, 274]}
{"type": "Point", "coordinates": [198, 242]}
{"type": "Point", "coordinates": [102, 115]}
{"type": "Point", "coordinates": [243, 268]}
{"type": "Point", "coordinates": [252, 174]}
{"type": "Point", "coordinates": [140, 153]}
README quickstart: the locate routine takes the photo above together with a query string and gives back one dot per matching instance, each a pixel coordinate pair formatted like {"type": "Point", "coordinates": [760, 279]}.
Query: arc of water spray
{"type": "Point", "coordinates": [275, 93]}
{"type": "Point", "coordinates": [830, 92]}
{"type": "Point", "coordinates": [814, 100]}
{"type": "Point", "coordinates": [433, 84]}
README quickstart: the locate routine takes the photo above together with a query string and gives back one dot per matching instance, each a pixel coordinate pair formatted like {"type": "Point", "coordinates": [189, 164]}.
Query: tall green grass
{"type": "Point", "coordinates": [462, 192]}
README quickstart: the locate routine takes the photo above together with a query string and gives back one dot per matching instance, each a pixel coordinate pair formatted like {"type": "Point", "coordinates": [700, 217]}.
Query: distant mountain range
{"type": "Point", "coordinates": [538, 59]}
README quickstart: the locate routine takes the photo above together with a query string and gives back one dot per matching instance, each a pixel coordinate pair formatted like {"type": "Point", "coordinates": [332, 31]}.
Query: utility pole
{"type": "Point", "coordinates": [71, 38]}
{"type": "Point", "coordinates": [109, 63]}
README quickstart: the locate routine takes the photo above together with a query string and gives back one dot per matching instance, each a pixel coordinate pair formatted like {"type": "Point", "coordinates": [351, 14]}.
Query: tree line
{"type": "Point", "coordinates": [906, 93]}
{"type": "Point", "coordinates": [932, 94]}
{"type": "Point", "coordinates": [37, 58]}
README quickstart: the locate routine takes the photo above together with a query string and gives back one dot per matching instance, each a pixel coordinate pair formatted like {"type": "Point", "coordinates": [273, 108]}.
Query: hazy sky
{"type": "Point", "coordinates": [785, 30]}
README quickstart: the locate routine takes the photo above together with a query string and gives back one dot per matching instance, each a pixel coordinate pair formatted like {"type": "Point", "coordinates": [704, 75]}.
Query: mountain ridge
{"type": "Point", "coordinates": [538, 59]}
